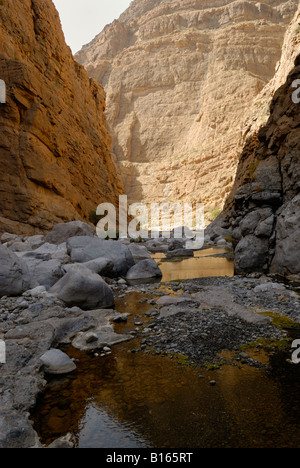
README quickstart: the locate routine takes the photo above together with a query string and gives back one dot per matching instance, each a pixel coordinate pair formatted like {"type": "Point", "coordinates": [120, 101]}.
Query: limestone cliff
{"type": "Point", "coordinates": [264, 204]}
{"type": "Point", "coordinates": [55, 160]}
{"type": "Point", "coordinates": [180, 76]}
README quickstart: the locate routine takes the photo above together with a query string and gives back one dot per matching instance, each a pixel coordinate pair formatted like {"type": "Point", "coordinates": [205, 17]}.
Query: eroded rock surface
{"type": "Point", "coordinates": [55, 159]}
{"type": "Point", "coordinates": [180, 76]}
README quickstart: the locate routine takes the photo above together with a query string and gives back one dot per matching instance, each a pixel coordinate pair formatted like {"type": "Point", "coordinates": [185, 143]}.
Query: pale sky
{"type": "Point", "coordinates": [82, 20]}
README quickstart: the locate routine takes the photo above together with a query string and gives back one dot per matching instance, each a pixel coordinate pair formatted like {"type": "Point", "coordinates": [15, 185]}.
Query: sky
{"type": "Point", "coordinates": [82, 20]}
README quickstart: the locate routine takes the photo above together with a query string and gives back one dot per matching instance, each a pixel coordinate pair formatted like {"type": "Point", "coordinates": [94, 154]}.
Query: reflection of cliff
{"type": "Point", "coordinates": [151, 401]}
{"type": "Point", "coordinates": [55, 160]}
{"type": "Point", "coordinates": [265, 200]}
{"type": "Point", "coordinates": [179, 78]}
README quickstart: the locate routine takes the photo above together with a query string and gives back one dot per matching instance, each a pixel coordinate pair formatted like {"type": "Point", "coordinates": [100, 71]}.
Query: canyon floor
{"type": "Point", "coordinates": [206, 325]}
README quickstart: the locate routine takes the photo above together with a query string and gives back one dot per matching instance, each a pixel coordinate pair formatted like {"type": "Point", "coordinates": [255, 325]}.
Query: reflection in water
{"type": "Point", "coordinates": [129, 399]}
{"type": "Point", "coordinates": [203, 264]}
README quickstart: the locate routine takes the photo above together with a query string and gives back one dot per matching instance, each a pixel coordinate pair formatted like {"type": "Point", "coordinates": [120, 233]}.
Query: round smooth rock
{"type": "Point", "coordinates": [56, 362]}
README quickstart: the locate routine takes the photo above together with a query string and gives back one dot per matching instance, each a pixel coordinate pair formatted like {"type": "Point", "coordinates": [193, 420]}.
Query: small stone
{"type": "Point", "coordinates": [212, 383]}
{"type": "Point", "coordinates": [91, 338]}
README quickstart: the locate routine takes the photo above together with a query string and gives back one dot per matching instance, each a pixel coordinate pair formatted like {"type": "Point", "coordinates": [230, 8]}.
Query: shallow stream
{"type": "Point", "coordinates": [130, 399]}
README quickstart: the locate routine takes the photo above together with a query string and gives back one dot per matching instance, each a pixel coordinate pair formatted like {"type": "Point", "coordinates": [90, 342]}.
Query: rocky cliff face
{"type": "Point", "coordinates": [265, 200]}
{"type": "Point", "coordinates": [180, 76]}
{"type": "Point", "coordinates": [55, 160]}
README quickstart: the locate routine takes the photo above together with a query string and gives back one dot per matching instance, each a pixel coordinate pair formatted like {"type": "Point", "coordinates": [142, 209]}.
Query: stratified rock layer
{"type": "Point", "coordinates": [264, 204]}
{"type": "Point", "coordinates": [55, 160]}
{"type": "Point", "coordinates": [180, 76]}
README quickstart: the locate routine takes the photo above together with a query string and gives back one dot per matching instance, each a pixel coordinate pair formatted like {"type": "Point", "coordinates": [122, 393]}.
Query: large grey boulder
{"type": "Point", "coordinates": [83, 249]}
{"type": "Point", "coordinates": [14, 274]}
{"type": "Point", "coordinates": [63, 231]}
{"type": "Point", "coordinates": [45, 264]}
{"type": "Point", "coordinates": [144, 270]}
{"type": "Point", "coordinates": [253, 219]}
{"type": "Point", "coordinates": [251, 254]}
{"type": "Point", "coordinates": [287, 252]}
{"type": "Point", "coordinates": [83, 288]}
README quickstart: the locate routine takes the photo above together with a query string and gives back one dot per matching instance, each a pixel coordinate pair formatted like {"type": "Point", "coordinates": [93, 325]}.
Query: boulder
{"type": "Point", "coordinates": [63, 231]}
{"type": "Point", "coordinates": [139, 252]}
{"type": "Point", "coordinates": [14, 274]}
{"type": "Point", "coordinates": [286, 260]}
{"type": "Point", "coordinates": [101, 266]}
{"type": "Point", "coordinates": [251, 254]}
{"type": "Point", "coordinates": [26, 244]}
{"type": "Point", "coordinates": [56, 362]}
{"type": "Point", "coordinates": [45, 264]}
{"type": "Point", "coordinates": [143, 270]}
{"type": "Point", "coordinates": [83, 288]}
{"type": "Point", "coordinates": [83, 249]}
{"type": "Point", "coordinates": [157, 245]}
{"type": "Point", "coordinates": [253, 220]}
{"type": "Point", "coordinates": [47, 252]}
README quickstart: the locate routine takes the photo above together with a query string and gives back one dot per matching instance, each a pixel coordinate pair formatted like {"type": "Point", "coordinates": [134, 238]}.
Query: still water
{"type": "Point", "coordinates": [205, 263]}
{"type": "Point", "coordinates": [134, 400]}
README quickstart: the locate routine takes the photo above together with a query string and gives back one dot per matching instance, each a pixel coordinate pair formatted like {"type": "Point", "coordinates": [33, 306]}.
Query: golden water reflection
{"type": "Point", "coordinates": [129, 400]}
{"type": "Point", "coordinates": [205, 263]}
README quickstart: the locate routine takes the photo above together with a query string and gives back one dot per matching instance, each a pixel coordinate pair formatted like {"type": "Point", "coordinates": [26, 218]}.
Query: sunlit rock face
{"type": "Point", "coordinates": [179, 77]}
{"type": "Point", "coordinates": [55, 160]}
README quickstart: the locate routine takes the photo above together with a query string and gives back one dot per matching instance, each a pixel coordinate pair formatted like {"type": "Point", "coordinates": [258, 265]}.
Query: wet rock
{"type": "Point", "coordinates": [61, 443]}
{"type": "Point", "coordinates": [180, 253]}
{"type": "Point", "coordinates": [56, 362]}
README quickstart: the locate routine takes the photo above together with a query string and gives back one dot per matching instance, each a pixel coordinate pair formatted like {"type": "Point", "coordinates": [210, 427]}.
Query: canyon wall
{"type": "Point", "coordinates": [263, 208]}
{"type": "Point", "coordinates": [55, 158]}
{"type": "Point", "coordinates": [180, 77]}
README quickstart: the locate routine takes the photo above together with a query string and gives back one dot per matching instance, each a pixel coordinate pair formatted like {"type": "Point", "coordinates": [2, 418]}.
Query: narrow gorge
{"type": "Point", "coordinates": [179, 78]}
{"type": "Point", "coordinates": [118, 342]}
